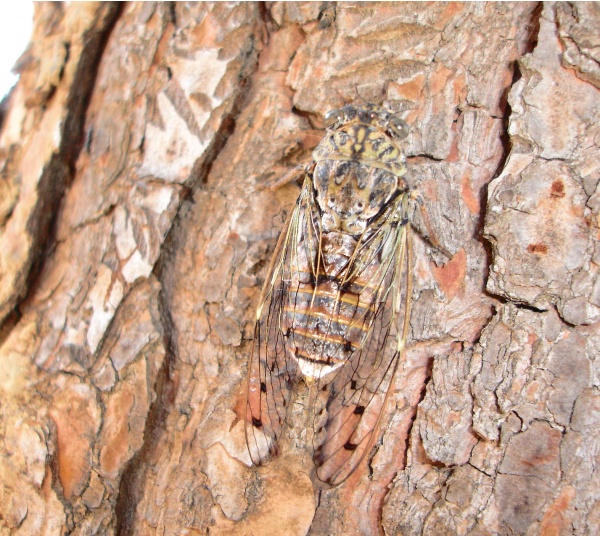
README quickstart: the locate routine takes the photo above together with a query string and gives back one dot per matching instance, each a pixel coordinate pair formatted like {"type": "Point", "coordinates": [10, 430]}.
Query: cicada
{"type": "Point", "coordinates": [334, 310]}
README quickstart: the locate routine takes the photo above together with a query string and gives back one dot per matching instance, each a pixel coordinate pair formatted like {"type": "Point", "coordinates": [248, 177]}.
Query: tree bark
{"type": "Point", "coordinates": [139, 206]}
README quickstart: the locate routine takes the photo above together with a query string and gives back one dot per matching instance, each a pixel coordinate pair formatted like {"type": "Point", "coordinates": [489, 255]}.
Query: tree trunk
{"type": "Point", "coordinates": [139, 207]}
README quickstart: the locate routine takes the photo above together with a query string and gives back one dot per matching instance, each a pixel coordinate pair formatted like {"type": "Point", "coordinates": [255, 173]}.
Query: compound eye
{"type": "Point", "coordinates": [333, 117]}
{"type": "Point", "coordinates": [399, 127]}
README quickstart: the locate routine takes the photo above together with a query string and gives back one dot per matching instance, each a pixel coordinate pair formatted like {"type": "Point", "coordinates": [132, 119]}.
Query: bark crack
{"type": "Point", "coordinates": [134, 474]}
{"type": "Point", "coordinates": [528, 46]}
{"type": "Point", "coordinates": [60, 171]}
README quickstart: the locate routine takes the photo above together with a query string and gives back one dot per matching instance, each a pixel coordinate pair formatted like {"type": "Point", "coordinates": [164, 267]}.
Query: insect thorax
{"type": "Point", "coordinates": [358, 169]}
{"type": "Point", "coordinates": [365, 144]}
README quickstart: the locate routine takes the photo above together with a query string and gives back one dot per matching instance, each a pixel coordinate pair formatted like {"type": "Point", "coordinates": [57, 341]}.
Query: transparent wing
{"type": "Point", "coordinates": [349, 409]}
{"type": "Point", "coordinates": [272, 370]}
{"type": "Point", "coordinates": [350, 400]}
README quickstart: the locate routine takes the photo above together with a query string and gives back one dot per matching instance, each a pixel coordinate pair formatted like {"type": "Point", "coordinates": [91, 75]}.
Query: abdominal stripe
{"type": "Point", "coordinates": [315, 335]}
{"type": "Point", "coordinates": [307, 289]}
{"type": "Point", "coordinates": [338, 318]}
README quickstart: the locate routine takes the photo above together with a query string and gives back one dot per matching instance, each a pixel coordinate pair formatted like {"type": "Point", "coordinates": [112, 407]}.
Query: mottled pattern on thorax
{"type": "Point", "coordinates": [363, 136]}
{"type": "Point", "coordinates": [358, 170]}
{"type": "Point", "coordinates": [350, 194]}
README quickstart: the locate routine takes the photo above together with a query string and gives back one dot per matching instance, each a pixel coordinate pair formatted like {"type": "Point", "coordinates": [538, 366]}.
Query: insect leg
{"type": "Point", "coordinates": [431, 238]}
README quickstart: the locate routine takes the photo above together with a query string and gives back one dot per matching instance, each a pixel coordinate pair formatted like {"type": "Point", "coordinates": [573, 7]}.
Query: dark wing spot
{"type": "Point", "coordinates": [256, 422]}
{"type": "Point", "coordinates": [359, 410]}
{"type": "Point", "coordinates": [263, 387]}
{"type": "Point", "coordinates": [350, 446]}
{"type": "Point", "coordinates": [353, 384]}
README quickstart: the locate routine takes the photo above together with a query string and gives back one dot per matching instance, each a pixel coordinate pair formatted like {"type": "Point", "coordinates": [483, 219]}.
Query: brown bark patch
{"type": "Point", "coordinates": [451, 276]}
{"type": "Point", "coordinates": [557, 189]}
{"type": "Point", "coordinates": [537, 248]}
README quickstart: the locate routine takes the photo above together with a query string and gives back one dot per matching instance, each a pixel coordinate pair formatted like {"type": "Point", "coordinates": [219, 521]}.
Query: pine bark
{"type": "Point", "coordinates": [139, 205]}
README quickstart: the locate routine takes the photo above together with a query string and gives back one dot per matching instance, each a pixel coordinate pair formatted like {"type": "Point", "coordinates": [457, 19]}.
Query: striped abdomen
{"type": "Point", "coordinates": [325, 321]}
